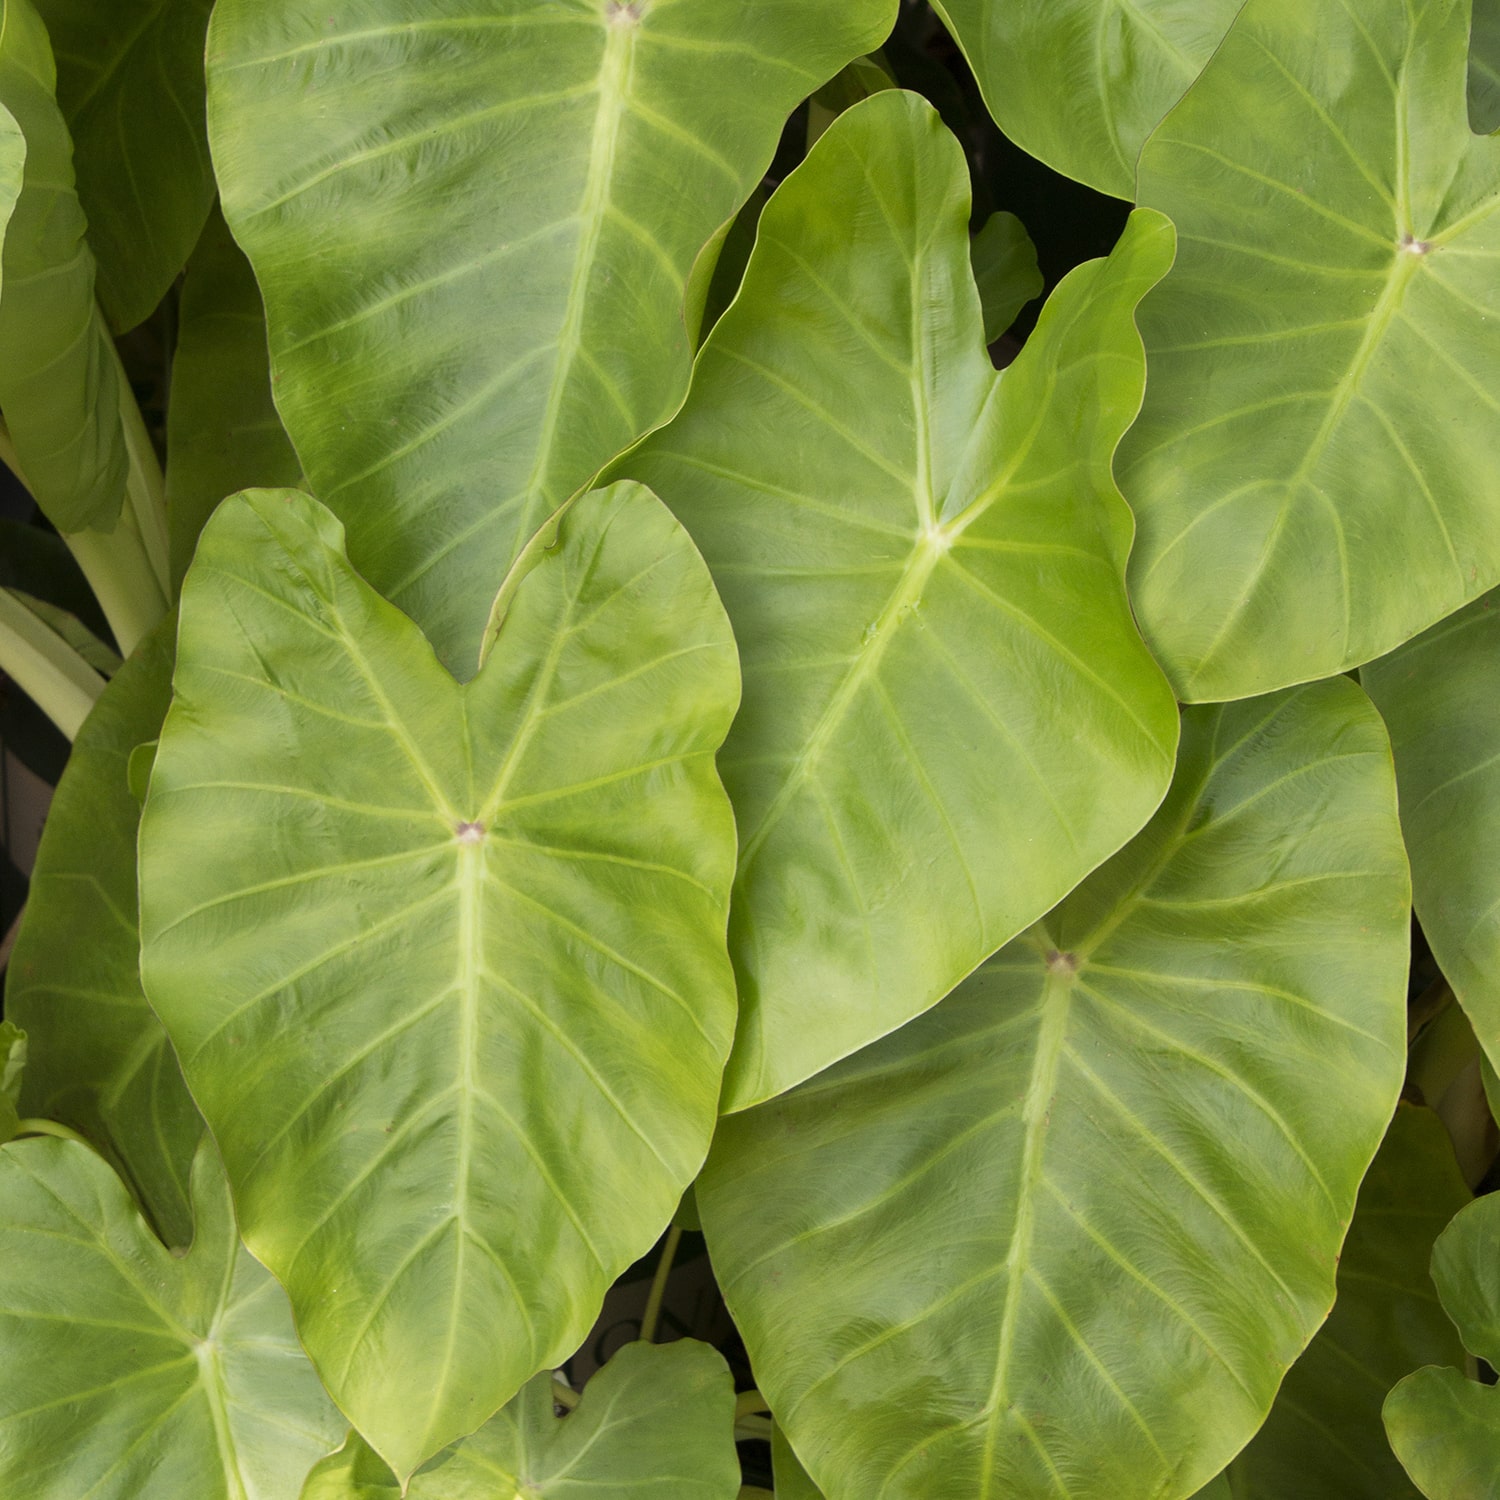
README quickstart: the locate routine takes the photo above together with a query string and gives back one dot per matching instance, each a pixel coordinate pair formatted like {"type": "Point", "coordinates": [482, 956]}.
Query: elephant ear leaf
{"type": "Point", "coordinates": [1330, 313]}
{"type": "Point", "coordinates": [924, 561]}
{"type": "Point", "coordinates": [531, 220]}
{"type": "Point", "coordinates": [60, 382]}
{"type": "Point", "coordinates": [100, 1061]}
{"type": "Point", "coordinates": [1155, 1108]}
{"type": "Point", "coordinates": [471, 1000]}
{"type": "Point", "coordinates": [1444, 1427]}
{"type": "Point", "coordinates": [1324, 1435]}
{"type": "Point", "coordinates": [130, 1371]}
{"type": "Point", "coordinates": [130, 82]}
{"type": "Point", "coordinates": [1440, 695]}
{"type": "Point", "coordinates": [1081, 83]}
{"type": "Point", "coordinates": [657, 1420]}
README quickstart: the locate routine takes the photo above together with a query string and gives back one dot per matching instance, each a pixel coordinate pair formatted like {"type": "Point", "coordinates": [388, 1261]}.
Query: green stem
{"type": "Point", "coordinates": [564, 1395]}
{"type": "Point", "coordinates": [145, 488]}
{"type": "Point", "coordinates": [659, 1284]}
{"type": "Point", "coordinates": [117, 563]}
{"type": "Point", "coordinates": [124, 581]}
{"type": "Point", "coordinates": [750, 1404]}
{"type": "Point", "coordinates": [51, 1127]}
{"type": "Point", "coordinates": [45, 667]}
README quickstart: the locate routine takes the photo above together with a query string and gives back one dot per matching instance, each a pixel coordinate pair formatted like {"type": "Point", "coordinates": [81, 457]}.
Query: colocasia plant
{"type": "Point", "coordinates": [631, 694]}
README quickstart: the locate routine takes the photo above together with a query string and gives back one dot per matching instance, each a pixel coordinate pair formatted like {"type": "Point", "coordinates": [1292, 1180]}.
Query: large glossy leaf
{"type": "Point", "coordinates": [1324, 1436]}
{"type": "Point", "coordinates": [1314, 471]}
{"type": "Point", "coordinates": [59, 381]}
{"type": "Point", "coordinates": [223, 433]}
{"type": "Point", "coordinates": [130, 1372]}
{"type": "Point", "coordinates": [100, 1061]}
{"type": "Point", "coordinates": [485, 284]}
{"type": "Point", "coordinates": [1065, 1233]}
{"type": "Point", "coordinates": [1445, 1428]}
{"type": "Point", "coordinates": [445, 966]}
{"type": "Point", "coordinates": [1440, 695]}
{"type": "Point", "coordinates": [949, 718]}
{"type": "Point", "coordinates": [130, 81]}
{"type": "Point", "coordinates": [656, 1422]}
{"type": "Point", "coordinates": [1081, 83]}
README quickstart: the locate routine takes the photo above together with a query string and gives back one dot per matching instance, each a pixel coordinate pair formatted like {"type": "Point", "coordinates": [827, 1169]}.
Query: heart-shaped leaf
{"type": "Point", "coordinates": [657, 1421]}
{"type": "Point", "coordinates": [1446, 1429]}
{"type": "Point", "coordinates": [1440, 695]}
{"type": "Point", "coordinates": [1081, 83]}
{"type": "Point", "coordinates": [1005, 272]}
{"type": "Point", "coordinates": [949, 718]}
{"type": "Point", "coordinates": [1324, 1435]}
{"type": "Point", "coordinates": [445, 965]}
{"type": "Point", "coordinates": [1065, 1233]}
{"type": "Point", "coordinates": [130, 81]}
{"type": "Point", "coordinates": [1314, 470]}
{"type": "Point", "coordinates": [523, 221]}
{"type": "Point", "coordinates": [100, 1060]}
{"type": "Point", "coordinates": [130, 1372]}
{"type": "Point", "coordinates": [223, 433]}
{"type": "Point", "coordinates": [59, 379]}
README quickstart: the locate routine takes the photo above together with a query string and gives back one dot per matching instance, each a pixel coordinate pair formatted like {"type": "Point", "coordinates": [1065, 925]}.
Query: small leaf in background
{"type": "Point", "coordinates": [470, 1000]}
{"type": "Point", "coordinates": [100, 1061]}
{"type": "Point", "coordinates": [949, 717]}
{"type": "Point", "coordinates": [130, 1372]}
{"type": "Point", "coordinates": [1081, 83]}
{"type": "Point", "coordinates": [130, 81]}
{"type": "Point", "coordinates": [1005, 271]}
{"type": "Point", "coordinates": [223, 432]}
{"type": "Point", "coordinates": [478, 284]}
{"type": "Point", "coordinates": [1066, 1232]}
{"type": "Point", "coordinates": [1440, 696]}
{"type": "Point", "coordinates": [1444, 1427]}
{"type": "Point", "coordinates": [657, 1420]}
{"type": "Point", "coordinates": [12, 1064]}
{"type": "Point", "coordinates": [59, 379]}
{"type": "Point", "coordinates": [1324, 1436]}
{"type": "Point", "coordinates": [1314, 473]}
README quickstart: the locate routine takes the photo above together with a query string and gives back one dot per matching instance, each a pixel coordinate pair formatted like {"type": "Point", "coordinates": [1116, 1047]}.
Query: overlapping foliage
{"type": "Point", "coordinates": [624, 677]}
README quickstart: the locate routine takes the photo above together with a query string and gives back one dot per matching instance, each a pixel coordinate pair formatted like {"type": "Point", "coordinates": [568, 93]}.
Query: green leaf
{"type": "Point", "coordinates": [130, 1371]}
{"type": "Point", "coordinates": [223, 433]}
{"type": "Point", "coordinates": [520, 220]}
{"type": "Point", "coordinates": [657, 1420]}
{"type": "Point", "coordinates": [792, 1482]}
{"type": "Point", "coordinates": [1440, 695]}
{"type": "Point", "coordinates": [100, 1061]}
{"type": "Point", "coordinates": [1324, 1435]}
{"type": "Point", "coordinates": [445, 965]}
{"type": "Point", "coordinates": [1484, 67]}
{"type": "Point", "coordinates": [130, 82]}
{"type": "Point", "coordinates": [1066, 1232]}
{"type": "Point", "coordinates": [1081, 83]}
{"type": "Point", "coordinates": [1313, 471]}
{"type": "Point", "coordinates": [59, 378]}
{"type": "Point", "coordinates": [1446, 1429]}
{"type": "Point", "coordinates": [949, 718]}
{"type": "Point", "coordinates": [12, 1062]}
{"type": "Point", "coordinates": [1005, 271]}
